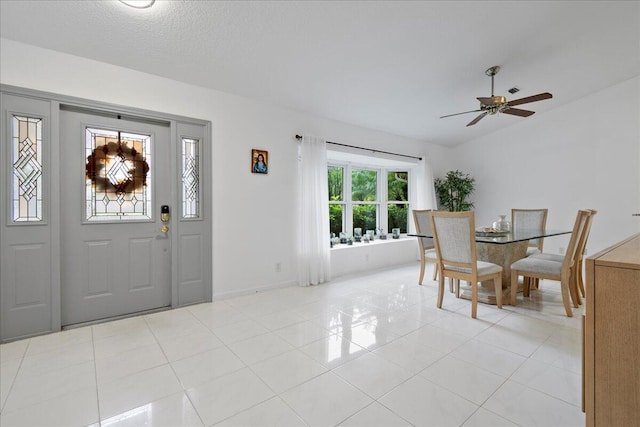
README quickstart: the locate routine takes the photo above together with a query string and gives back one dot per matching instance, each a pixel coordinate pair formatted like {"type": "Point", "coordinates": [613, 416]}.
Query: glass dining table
{"type": "Point", "coordinates": [503, 249]}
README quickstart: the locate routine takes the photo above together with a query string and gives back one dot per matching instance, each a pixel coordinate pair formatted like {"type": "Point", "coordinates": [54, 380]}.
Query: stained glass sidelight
{"type": "Point", "coordinates": [190, 178]}
{"type": "Point", "coordinates": [26, 186]}
{"type": "Point", "coordinates": [118, 172]}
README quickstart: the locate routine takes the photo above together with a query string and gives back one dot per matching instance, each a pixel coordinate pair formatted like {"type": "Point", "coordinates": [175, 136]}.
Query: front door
{"type": "Point", "coordinates": [115, 244]}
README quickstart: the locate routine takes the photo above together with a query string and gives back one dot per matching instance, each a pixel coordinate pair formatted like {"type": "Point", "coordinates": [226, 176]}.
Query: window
{"type": "Point", "coordinates": [398, 200]}
{"type": "Point", "coordinates": [26, 179]}
{"type": "Point", "coordinates": [336, 199]}
{"type": "Point", "coordinates": [190, 178]}
{"type": "Point", "coordinates": [365, 200]}
{"type": "Point", "coordinates": [117, 184]}
{"type": "Point", "coordinates": [368, 196]}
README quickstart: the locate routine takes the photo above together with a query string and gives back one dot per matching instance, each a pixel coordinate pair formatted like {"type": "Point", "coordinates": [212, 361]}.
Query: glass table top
{"type": "Point", "coordinates": [511, 236]}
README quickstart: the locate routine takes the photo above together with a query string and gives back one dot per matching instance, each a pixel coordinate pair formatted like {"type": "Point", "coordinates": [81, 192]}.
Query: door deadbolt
{"type": "Point", "coordinates": [164, 213]}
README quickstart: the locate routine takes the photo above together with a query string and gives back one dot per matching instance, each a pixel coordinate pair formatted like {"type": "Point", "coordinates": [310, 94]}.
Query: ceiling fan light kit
{"type": "Point", "coordinates": [499, 104]}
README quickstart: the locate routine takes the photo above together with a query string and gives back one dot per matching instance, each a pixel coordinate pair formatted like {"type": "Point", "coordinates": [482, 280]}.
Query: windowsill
{"type": "Point", "coordinates": [403, 238]}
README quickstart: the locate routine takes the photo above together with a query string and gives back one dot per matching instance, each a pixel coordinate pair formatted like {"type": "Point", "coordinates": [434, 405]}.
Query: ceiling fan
{"type": "Point", "coordinates": [499, 104]}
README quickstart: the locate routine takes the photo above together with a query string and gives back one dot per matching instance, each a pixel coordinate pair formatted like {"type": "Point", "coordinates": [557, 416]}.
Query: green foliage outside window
{"type": "Point", "coordinates": [397, 217]}
{"type": "Point", "coordinates": [365, 217]}
{"type": "Point", "coordinates": [336, 189]}
{"type": "Point", "coordinates": [398, 184]}
{"type": "Point", "coordinates": [364, 185]}
{"type": "Point", "coordinates": [336, 180]}
{"type": "Point", "coordinates": [335, 218]}
{"type": "Point", "coordinates": [398, 191]}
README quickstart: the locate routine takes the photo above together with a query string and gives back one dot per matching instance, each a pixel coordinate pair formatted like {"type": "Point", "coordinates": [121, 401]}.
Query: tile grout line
{"type": "Point", "coordinates": [184, 392]}
{"type": "Point", "coordinates": [95, 374]}
{"type": "Point", "coordinates": [15, 378]}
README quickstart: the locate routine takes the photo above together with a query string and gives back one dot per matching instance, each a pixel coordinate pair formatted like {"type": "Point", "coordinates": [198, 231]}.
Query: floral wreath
{"type": "Point", "coordinates": [127, 175]}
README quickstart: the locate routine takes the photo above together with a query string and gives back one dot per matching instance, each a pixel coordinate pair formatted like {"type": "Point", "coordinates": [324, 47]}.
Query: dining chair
{"type": "Point", "coordinates": [530, 219]}
{"type": "Point", "coordinates": [427, 247]}
{"type": "Point", "coordinates": [454, 235]}
{"type": "Point", "coordinates": [537, 267]}
{"type": "Point", "coordinates": [577, 279]}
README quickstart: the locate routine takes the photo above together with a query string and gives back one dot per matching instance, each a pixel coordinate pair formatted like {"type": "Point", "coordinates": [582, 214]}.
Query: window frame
{"type": "Point", "coordinates": [382, 201]}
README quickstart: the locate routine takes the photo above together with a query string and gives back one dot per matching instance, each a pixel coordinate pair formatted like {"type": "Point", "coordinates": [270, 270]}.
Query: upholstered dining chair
{"type": "Point", "coordinates": [530, 219]}
{"type": "Point", "coordinates": [577, 280]}
{"type": "Point", "coordinates": [537, 267]}
{"type": "Point", "coordinates": [454, 234]}
{"type": "Point", "coordinates": [427, 247]}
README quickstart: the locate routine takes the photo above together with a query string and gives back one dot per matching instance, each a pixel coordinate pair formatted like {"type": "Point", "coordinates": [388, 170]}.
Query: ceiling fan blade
{"type": "Point", "coordinates": [477, 119]}
{"type": "Point", "coordinates": [518, 112]}
{"type": "Point", "coordinates": [457, 114]}
{"type": "Point", "coordinates": [533, 98]}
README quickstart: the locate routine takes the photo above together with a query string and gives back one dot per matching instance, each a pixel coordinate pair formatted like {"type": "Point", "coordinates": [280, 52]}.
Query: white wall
{"type": "Point", "coordinates": [363, 257]}
{"type": "Point", "coordinates": [253, 215]}
{"type": "Point", "coordinates": [581, 155]}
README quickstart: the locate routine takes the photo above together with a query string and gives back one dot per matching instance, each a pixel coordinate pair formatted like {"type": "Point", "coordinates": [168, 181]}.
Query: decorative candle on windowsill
{"type": "Point", "coordinates": [371, 234]}
{"type": "Point", "coordinates": [395, 233]}
{"type": "Point", "coordinates": [343, 237]}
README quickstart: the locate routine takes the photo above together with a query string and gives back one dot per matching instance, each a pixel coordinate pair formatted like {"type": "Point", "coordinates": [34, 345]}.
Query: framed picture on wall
{"type": "Point", "coordinates": [259, 161]}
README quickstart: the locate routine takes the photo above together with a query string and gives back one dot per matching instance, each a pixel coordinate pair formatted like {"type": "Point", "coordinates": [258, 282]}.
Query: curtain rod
{"type": "Point", "coordinates": [368, 149]}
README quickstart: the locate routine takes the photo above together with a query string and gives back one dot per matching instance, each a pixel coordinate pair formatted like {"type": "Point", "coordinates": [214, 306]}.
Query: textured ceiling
{"type": "Point", "coordinates": [393, 66]}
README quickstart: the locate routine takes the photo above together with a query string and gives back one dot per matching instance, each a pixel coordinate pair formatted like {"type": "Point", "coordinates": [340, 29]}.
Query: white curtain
{"type": "Point", "coordinates": [314, 258]}
{"type": "Point", "coordinates": [426, 194]}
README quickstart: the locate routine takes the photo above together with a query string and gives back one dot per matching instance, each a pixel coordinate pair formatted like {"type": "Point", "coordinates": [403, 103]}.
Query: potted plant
{"type": "Point", "coordinates": [454, 190]}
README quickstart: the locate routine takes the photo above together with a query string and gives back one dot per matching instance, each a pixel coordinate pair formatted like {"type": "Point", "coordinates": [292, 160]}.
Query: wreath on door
{"type": "Point", "coordinates": [116, 168]}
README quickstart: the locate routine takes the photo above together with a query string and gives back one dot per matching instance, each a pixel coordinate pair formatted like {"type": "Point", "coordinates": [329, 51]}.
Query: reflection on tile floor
{"type": "Point", "coordinates": [360, 351]}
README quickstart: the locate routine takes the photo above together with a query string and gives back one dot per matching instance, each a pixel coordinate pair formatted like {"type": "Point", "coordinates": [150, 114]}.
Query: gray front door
{"type": "Point", "coordinates": [116, 176]}
{"type": "Point", "coordinates": [83, 236]}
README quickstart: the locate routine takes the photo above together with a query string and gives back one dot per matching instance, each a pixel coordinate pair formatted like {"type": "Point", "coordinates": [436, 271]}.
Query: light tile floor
{"type": "Point", "coordinates": [366, 351]}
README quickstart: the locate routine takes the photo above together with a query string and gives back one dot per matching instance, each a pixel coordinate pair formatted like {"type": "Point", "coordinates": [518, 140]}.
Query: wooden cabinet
{"type": "Point", "coordinates": [612, 336]}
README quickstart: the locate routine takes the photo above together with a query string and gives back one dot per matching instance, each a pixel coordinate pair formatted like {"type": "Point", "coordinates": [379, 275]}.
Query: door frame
{"type": "Point", "coordinates": [179, 126]}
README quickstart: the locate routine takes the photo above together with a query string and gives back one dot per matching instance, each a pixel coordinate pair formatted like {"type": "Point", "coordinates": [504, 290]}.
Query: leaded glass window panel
{"type": "Point", "coordinates": [118, 176]}
{"type": "Point", "coordinates": [26, 185]}
{"type": "Point", "coordinates": [190, 178]}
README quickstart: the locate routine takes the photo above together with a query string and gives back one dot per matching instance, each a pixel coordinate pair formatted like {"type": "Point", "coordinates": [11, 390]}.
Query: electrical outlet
{"type": "Point", "coordinates": [561, 250]}
{"type": "Point", "coordinates": [278, 267]}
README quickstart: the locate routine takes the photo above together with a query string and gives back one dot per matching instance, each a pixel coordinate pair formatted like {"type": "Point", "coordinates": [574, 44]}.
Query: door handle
{"type": "Point", "coordinates": [164, 229]}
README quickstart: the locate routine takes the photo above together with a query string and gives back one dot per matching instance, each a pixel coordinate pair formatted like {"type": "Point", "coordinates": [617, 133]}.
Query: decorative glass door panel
{"type": "Point", "coordinates": [26, 178]}
{"type": "Point", "coordinates": [190, 178]}
{"type": "Point", "coordinates": [118, 176]}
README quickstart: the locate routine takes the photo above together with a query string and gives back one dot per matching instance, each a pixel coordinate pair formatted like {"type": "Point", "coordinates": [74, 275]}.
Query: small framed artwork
{"type": "Point", "coordinates": [259, 161]}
